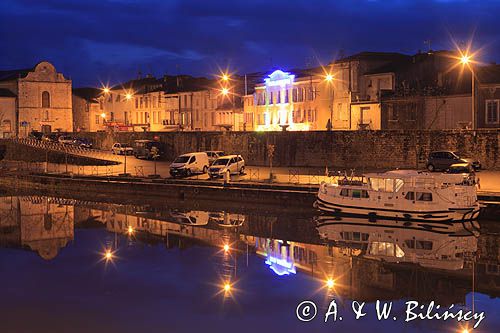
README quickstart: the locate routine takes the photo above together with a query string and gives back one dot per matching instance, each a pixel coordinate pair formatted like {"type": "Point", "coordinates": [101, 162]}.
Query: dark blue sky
{"type": "Point", "coordinates": [112, 40]}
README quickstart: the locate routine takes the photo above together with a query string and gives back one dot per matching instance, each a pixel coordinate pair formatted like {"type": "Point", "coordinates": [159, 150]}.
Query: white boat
{"type": "Point", "coordinates": [402, 195]}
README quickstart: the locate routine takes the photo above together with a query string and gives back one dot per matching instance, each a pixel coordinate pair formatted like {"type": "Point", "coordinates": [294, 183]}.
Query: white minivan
{"type": "Point", "coordinates": [188, 164]}
{"type": "Point", "coordinates": [233, 163]}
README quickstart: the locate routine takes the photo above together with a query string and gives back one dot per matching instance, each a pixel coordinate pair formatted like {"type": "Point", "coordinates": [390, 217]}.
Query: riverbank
{"type": "Point", "coordinates": [293, 196]}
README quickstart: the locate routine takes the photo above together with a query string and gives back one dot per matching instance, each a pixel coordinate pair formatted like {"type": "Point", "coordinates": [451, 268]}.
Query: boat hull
{"type": "Point", "coordinates": [373, 214]}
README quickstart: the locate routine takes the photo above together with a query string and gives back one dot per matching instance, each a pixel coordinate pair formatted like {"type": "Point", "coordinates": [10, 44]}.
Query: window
{"type": "Point", "coordinates": [424, 196]}
{"type": "Point", "coordinates": [393, 113]}
{"type": "Point", "coordinates": [410, 196]}
{"type": "Point", "coordinates": [111, 116]}
{"type": "Point", "coordinates": [45, 99]}
{"type": "Point", "coordinates": [97, 119]}
{"type": "Point", "coordinates": [492, 110]}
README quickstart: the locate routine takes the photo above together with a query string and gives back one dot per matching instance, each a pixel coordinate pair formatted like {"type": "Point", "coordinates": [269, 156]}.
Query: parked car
{"type": "Point", "coordinates": [122, 149]}
{"type": "Point", "coordinates": [65, 140]}
{"type": "Point", "coordinates": [460, 168]}
{"type": "Point", "coordinates": [50, 138]}
{"type": "Point", "coordinates": [144, 149]}
{"type": "Point", "coordinates": [82, 143]}
{"type": "Point", "coordinates": [187, 164]}
{"type": "Point", "coordinates": [214, 154]}
{"type": "Point", "coordinates": [442, 160]}
{"type": "Point", "coordinates": [234, 163]}
{"type": "Point", "coordinates": [35, 135]}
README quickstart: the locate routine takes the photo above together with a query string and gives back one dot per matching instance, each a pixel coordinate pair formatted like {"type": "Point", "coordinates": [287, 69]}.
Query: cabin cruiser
{"type": "Point", "coordinates": [403, 195]}
{"type": "Point", "coordinates": [445, 248]}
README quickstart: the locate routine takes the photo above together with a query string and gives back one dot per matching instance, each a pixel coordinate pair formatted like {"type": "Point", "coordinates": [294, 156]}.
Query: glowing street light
{"type": "Point", "coordinates": [225, 77]}
{"type": "Point", "coordinates": [329, 77]}
{"type": "Point", "coordinates": [465, 330]}
{"type": "Point", "coordinates": [330, 283]}
{"type": "Point", "coordinates": [465, 59]}
{"type": "Point", "coordinates": [108, 255]}
{"type": "Point", "coordinates": [226, 248]}
{"type": "Point", "coordinates": [105, 90]}
{"type": "Point", "coordinates": [128, 96]}
{"type": "Point", "coordinates": [227, 287]}
{"type": "Point", "coordinates": [225, 91]}
{"type": "Point", "coordinates": [103, 115]}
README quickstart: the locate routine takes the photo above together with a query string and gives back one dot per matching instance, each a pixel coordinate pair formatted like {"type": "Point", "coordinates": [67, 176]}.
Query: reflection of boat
{"type": "Point", "coordinates": [192, 217]}
{"type": "Point", "coordinates": [228, 220]}
{"type": "Point", "coordinates": [445, 247]}
{"type": "Point", "coordinates": [404, 195]}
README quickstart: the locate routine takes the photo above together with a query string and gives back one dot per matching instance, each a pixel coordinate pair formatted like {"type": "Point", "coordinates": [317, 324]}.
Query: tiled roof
{"type": "Point", "coordinates": [87, 93]}
{"type": "Point", "coordinates": [6, 93]}
{"type": "Point", "coordinates": [14, 74]}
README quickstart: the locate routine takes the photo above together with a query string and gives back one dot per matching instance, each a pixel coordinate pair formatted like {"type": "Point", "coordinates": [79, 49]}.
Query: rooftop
{"type": "Point", "coordinates": [14, 74]}
{"type": "Point", "coordinates": [6, 93]}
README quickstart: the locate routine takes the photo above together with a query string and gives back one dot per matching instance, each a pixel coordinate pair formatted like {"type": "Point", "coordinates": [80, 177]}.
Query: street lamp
{"type": "Point", "coordinates": [329, 80]}
{"type": "Point", "coordinates": [128, 96]}
{"type": "Point", "coordinates": [225, 91]}
{"type": "Point", "coordinates": [105, 90]}
{"type": "Point", "coordinates": [225, 77]}
{"type": "Point", "coordinates": [466, 60]}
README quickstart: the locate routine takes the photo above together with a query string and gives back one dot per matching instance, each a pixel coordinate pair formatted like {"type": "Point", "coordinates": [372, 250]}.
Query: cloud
{"type": "Point", "coordinates": [113, 38]}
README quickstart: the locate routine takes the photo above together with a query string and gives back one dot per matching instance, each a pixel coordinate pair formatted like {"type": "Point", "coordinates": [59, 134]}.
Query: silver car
{"type": "Point", "coordinates": [235, 164]}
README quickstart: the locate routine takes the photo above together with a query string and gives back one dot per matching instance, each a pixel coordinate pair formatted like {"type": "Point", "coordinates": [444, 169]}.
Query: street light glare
{"type": "Point", "coordinates": [225, 77]}
{"type": "Point", "coordinates": [330, 283]}
{"type": "Point", "coordinates": [225, 91]}
{"type": "Point", "coordinates": [227, 287]}
{"type": "Point", "coordinates": [226, 248]}
{"type": "Point", "coordinates": [465, 59]}
{"type": "Point", "coordinates": [105, 90]}
{"type": "Point", "coordinates": [103, 115]}
{"type": "Point", "coordinates": [108, 255]}
{"type": "Point", "coordinates": [329, 77]}
{"type": "Point", "coordinates": [128, 96]}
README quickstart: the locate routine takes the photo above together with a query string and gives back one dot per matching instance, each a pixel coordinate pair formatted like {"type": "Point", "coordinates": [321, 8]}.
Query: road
{"type": "Point", "coordinates": [489, 180]}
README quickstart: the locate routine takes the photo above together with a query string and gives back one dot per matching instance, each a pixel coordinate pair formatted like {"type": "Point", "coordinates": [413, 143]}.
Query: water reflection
{"type": "Point", "coordinates": [354, 258]}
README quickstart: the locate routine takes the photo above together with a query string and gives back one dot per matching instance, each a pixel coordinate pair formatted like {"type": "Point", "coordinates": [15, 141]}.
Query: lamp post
{"type": "Point", "coordinates": [329, 81]}
{"type": "Point", "coordinates": [466, 60]}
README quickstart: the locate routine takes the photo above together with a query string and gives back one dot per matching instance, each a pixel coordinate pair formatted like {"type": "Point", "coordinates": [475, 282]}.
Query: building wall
{"type": "Point", "coordinates": [447, 112]}
{"type": "Point", "coordinates": [57, 116]}
{"type": "Point", "coordinates": [337, 149]}
{"type": "Point", "coordinates": [7, 117]}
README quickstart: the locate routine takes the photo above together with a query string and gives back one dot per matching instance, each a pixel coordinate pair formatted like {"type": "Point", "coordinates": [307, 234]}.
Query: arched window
{"type": "Point", "coordinates": [45, 99]}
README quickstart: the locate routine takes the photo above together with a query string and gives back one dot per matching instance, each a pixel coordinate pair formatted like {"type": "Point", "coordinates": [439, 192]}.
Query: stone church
{"type": "Point", "coordinates": [35, 99]}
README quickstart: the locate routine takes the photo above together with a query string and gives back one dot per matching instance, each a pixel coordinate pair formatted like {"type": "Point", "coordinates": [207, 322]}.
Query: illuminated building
{"type": "Point", "coordinates": [287, 101]}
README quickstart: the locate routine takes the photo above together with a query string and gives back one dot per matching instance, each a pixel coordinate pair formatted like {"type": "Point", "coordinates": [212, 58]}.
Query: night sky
{"type": "Point", "coordinates": [94, 41]}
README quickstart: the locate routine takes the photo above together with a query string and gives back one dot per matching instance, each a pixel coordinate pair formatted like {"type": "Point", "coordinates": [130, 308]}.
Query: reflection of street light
{"type": "Point", "coordinates": [227, 287]}
{"type": "Point", "coordinates": [466, 60]}
{"type": "Point", "coordinates": [108, 255]}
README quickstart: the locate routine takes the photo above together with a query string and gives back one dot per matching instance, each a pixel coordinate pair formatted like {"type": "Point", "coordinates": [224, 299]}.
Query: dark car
{"type": "Point", "coordinates": [82, 143]}
{"type": "Point", "coordinates": [35, 135]}
{"type": "Point", "coordinates": [442, 160]}
{"type": "Point", "coordinates": [145, 149]}
{"type": "Point", "coordinates": [50, 138]}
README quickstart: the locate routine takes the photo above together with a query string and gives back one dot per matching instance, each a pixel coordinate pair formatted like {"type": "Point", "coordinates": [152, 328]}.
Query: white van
{"type": "Point", "coordinates": [188, 164]}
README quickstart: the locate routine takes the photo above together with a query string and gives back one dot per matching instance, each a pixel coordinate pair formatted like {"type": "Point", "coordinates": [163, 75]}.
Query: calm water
{"type": "Point", "coordinates": [168, 269]}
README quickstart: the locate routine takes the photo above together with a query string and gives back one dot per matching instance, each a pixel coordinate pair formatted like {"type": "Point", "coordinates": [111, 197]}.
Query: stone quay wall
{"type": "Point", "coordinates": [339, 150]}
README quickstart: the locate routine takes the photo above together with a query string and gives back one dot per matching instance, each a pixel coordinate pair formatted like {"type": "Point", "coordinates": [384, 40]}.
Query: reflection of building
{"type": "Point", "coordinates": [42, 101]}
{"type": "Point", "coordinates": [38, 223]}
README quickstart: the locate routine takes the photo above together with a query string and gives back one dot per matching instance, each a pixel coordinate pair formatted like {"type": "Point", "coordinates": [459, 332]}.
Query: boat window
{"type": "Point", "coordinates": [410, 196]}
{"type": "Point", "coordinates": [423, 245]}
{"type": "Point", "coordinates": [424, 196]}
{"type": "Point", "coordinates": [344, 192]}
{"type": "Point", "coordinates": [356, 193]}
{"type": "Point", "coordinates": [399, 252]}
{"type": "Point", "coordinates": [356, 236]}
{"type": "Point", "coordinates": [398, 184]}
{"type": "Point", "coordinates": [389, 185]}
